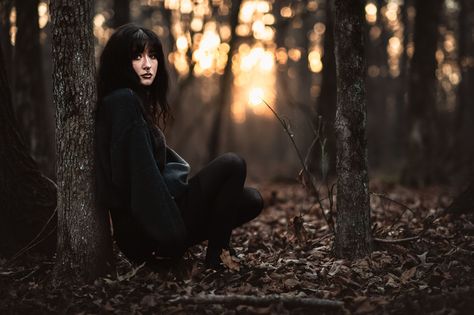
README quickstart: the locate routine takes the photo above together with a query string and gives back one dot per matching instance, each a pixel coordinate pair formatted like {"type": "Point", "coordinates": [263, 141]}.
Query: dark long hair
{"type": "Point", "coordinates": [116, 71]}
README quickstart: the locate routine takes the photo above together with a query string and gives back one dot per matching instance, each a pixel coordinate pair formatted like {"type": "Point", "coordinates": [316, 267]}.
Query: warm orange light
{"type": "Point", "coordinates": [182, 43]}
{"type": "Point", "coordinates": [294, 54]}
{"type": "Point", "coordinates": [43, 14]}
{"type": "Point", "coordinates": [186, 6]}
{"type": "Point", "coordinates": [315, 63]}
{"type": "Point", "coordinates": [286, 12]}
{"type": "Point", "coordinates": [371, 13]}
{"type": "Point", "coordinates": [255, 96]}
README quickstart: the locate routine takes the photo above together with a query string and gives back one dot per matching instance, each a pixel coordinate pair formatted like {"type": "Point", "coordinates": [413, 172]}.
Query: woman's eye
{"type": "Point", "coordinates": [152, 56]}
{"type": "Point", "coordinates": [137, 57]}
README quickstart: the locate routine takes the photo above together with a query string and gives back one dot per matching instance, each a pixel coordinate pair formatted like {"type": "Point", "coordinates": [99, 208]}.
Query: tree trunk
{"type": "Point", "coordinates": [27, 198]}
{"type": "Point", "coordinates": [326, 102]}
{"type": "Point", "coordinates": [465, 110]}
{"type": "Point", "coordinates": [225, 86]}
{"type": "Point", "coordinates": [421, 168]}
{"type": "Point", "coordinates": [5, 10]}
{"type": "Point", "coordinates": [121, 12]}
{"type": "Point", "coordinates": [29, 93]}
{"type": "Point", "coordinates": [353, 236]}
{"type": "Point", "coordinates": [378, 90]}
{"type": "Point", "coordinates": [84, 240]}
{"type": "Point", "coordinates": [400, 120]}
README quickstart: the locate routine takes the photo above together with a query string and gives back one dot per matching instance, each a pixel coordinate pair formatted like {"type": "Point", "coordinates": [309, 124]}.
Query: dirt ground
{"type": "Point", "coordinates": [428, 273]}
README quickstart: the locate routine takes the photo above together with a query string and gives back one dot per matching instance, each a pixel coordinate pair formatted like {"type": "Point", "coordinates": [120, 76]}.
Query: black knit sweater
{"type": "Point", "coordinates": [133, 181]}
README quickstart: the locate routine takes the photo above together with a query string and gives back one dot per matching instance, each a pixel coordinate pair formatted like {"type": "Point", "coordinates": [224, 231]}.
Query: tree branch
{"type": "Point", "coordinates": [257, 300]}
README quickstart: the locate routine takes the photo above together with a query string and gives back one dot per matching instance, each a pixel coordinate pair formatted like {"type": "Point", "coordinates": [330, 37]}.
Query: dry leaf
{"type": "Point", "coordinates": [228, 261]}
{"type": "Point", "coordinates": [408, 274]}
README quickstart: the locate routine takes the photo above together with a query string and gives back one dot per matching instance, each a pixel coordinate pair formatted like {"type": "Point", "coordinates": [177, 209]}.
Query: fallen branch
{"type": "Point", "coordinates": [257, 300]}
{"type": "Point", "coordinates": [400, 240]}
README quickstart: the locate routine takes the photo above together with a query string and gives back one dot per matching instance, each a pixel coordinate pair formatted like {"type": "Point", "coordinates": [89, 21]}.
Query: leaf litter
{"type": "Point", "coordinates": [287, 251]}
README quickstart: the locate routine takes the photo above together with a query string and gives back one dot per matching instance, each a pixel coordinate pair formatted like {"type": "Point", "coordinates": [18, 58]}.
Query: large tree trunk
{"type": "Point", "coordinates": [27, 198]}
{"type": "Point", "coordinates": [353, 236]}
{"type": "Point", "coordinates": [225, 86]}
{"type": "Point", "coordinates": [84, 240]}
{"type": "Point", "coordinates": [423, 122]}
{"type": "Point", "coordinates": [35, 118]}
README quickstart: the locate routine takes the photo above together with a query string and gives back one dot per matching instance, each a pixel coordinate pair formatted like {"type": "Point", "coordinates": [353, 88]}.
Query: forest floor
{"type": "Point", "coordinates": [283, 257]}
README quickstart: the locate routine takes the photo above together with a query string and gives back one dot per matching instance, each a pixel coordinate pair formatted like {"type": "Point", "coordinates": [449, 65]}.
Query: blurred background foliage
{"type": "Point", "coordinates": [226, 57]}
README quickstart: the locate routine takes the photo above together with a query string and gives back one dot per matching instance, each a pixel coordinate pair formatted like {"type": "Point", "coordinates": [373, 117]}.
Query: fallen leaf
{"type": "Point", "coordinates": [408, 274]}
{"type": "Point", "coordinates": [229, 262]}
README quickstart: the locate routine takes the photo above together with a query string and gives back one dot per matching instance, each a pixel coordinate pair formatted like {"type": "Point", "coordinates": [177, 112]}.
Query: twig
{"type": "Point", "coordinates": [392, 241]}
{"type": "Point", "coordinates": [394, 201]}
{"type": "Point", "coordinates": [302, 161]}
{"type": "Point", "coordinates": [34, 242]}
{"type": "Point", "coordinates": [257, 300]}
{"type": "Point", "coordinates": [405, 207]}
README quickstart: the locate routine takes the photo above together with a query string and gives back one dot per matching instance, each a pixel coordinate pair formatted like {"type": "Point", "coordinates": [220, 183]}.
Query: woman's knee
{"type": "Point", "coordinates": [255, 199]}
{"type": "Point", "coordinates": [234, 162]}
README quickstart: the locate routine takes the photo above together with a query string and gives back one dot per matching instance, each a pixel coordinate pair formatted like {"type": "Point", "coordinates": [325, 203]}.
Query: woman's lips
{"type": "Point", "coordinates": [146, 76]}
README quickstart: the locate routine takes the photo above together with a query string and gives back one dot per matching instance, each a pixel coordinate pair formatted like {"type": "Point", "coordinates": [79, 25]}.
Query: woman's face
{"type": "Point", "coordinates": [145, 65]}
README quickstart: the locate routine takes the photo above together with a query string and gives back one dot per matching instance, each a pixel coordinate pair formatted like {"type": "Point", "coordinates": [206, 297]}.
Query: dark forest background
{"type": "Point", "coordinates": [419, 81]}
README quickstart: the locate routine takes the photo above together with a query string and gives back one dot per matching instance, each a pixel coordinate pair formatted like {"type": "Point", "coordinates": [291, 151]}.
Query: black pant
{"type": "Point", "coordinates": [216, 201]}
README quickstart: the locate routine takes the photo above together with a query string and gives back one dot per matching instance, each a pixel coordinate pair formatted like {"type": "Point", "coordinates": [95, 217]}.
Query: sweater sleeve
{"type": "Point", "coordinates": [135, 171]}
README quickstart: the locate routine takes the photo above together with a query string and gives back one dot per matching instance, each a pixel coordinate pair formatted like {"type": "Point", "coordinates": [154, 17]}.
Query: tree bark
{"type": "Point", "coordinates": [421, 168]}
{"type": "Point", "coordinates": [224, 86]}
{"type": "Point", "coordinates": [84, 240]}
{"type": "Point", "coordinates": [121, 12]}
{"type": "Point", "coordinates": [35, 117]}
{"type": "Point", "coordinates": [27, 198]}
{"type": "Point", "coordinates": [353, 236]}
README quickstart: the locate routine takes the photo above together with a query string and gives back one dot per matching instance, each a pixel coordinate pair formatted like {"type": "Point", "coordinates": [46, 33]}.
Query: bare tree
{"type": "Point", "coordinates": [465, 110]}
{"type": "Point", "coordinates": [5, 10]}
{"type": "Point", "coordinates": [353, 236]}
{"type": "Point", "coordinates": [84, 240]}
{"type": "Point", "coordinates": [121, 12]}
{"type": "Point", "coordinates": [27, 198]}
{"type": "Point", "coordinates": [34, 115]}
{"type": "Point", "coordinates": [423, 124]}
{"type": "Point", "coordinates": [225, 86]}
{"type": "Point", "coordinates": [326, 102]}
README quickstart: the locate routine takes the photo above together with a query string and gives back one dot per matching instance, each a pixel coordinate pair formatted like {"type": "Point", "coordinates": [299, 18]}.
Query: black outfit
{"type": "Point", "coordinates": [143, 183]}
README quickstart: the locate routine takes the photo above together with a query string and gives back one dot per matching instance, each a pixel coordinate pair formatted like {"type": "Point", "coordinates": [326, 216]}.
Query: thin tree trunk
{"type": "Point", "coordinates": [402, 86]}
{"type": "Point", "coordinates": [378, 89]}
{"type": "Point", "coordinates": [224, 86]}
{"type": "Point", "coordinates": [326, 102]}
{"type": "Point", "coordinates": [121, 12]}
{"type": "Point", "coordinates": [353, 236]}
{"type": "Point", "coordinates": [423, 123]}
{"type": "Point", "coordinates": [29, 95]}
{"type": "Point", "coordinates": [84, 240]}
{"type": "Point", "coordinates": [27, 198]}
{"type": "Point", "coordinates": [465, 110]}
{"type": "Point", "coordinates": [5, 10]}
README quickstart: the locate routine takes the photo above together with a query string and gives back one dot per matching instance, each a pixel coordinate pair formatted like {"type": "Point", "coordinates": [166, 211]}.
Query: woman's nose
{"type": "Point", "coordinates": [146, 63]}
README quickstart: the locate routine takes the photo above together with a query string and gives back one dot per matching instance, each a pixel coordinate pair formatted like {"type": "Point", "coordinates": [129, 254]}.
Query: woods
{"type": "Point", "coordinates": [375, 96]}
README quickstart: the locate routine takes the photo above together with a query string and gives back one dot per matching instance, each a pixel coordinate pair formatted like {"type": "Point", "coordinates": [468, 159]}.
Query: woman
{"type": "Point", "coordinates": [140, 180]}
